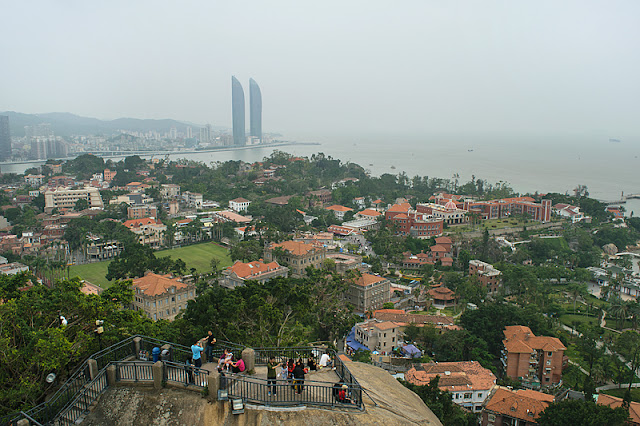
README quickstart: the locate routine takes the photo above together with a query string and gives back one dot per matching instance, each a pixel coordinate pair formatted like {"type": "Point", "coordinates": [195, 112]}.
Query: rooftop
{"type": "Point", "coordinates": [368, 279]}
{"type": "Point", "coordinates": [251, 269]}
{"type": "Point", "coordinates": [454, 376]}
{"type": "Point", "coordinates": [521, 404]}
{"type": "Point", "coordinates": [153, 284]}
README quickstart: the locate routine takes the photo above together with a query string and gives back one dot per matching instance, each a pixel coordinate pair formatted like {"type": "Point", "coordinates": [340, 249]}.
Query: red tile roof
{"type": "Point", "coordinates": [339, 208]}
{"type": "Point", "coordinates": [520, 339]}
{"type": "Point", "coordinates": [246, 270]}
{"type": "Point", "coordinates": [135, 223]}
{"type": "Point", "coordinates": [454, 376]}
{"type": "Point", "coordinates": [296, 248]}
{"type": "Point", "coordinates": [154, 284]}
{"type": "Point", "coordinates": [613, 402]}
{"type": "Point", "coordinates": [403, 207]}
{"type": "Point", "coordinates": [370, 212]}
{"type": "Point", "coordinates": [519, 404]}
{"type": "Point", "coordinates": [367, 279]}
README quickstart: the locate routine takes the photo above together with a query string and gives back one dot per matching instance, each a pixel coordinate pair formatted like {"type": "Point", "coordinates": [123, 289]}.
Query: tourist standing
{"type": "Point", "coordinates": [298, 374]}
{"type": "Point", "coordinates": [208, 349]}
{"type": "Point", "coordinates": [196, 350]}
{"type": "Point", "coordinates": [272, 375]}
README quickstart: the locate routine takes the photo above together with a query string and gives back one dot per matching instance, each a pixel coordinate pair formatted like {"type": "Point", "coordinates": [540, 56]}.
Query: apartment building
{"type": "Point", "coordinates": [535, 360]}
{"type": "Point", "coordinates": [169, 190]}
{"type": "Point", "coordinates": [161, 296]}
{"type": "Point", "coordinates": [150, 231]}
{"type": "Point", "coordinates": [368, 292]}
{"type": "Point", "coordinates": [377, 335]}
{"type": "Point", "coordinates": [298, 256]}
{"type": "Point", "coordinates": [60, 198]}
{"type": "Point", "coordinates": [239, 204]}
{"type": "Point", "coordinates": [138, 212]}
{"type": "Point", "coordinates": [488, 276]}
{"type": "Point", "coordinates": [192, 199]}
{"type": "Point", "coordinates": [408, 221]}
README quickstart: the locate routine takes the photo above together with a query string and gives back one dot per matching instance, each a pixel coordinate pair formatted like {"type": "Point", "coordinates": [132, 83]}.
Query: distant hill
{"type": "Point", "coordinates": [67, 124]}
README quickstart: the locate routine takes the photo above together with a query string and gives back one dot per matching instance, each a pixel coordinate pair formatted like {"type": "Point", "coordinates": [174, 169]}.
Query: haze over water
{"type": "Point", "coordinates": [527, 163]}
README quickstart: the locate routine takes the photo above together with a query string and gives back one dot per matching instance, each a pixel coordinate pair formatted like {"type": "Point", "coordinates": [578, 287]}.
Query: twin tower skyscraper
{"type": "Point", "coordinates": [255, 112]}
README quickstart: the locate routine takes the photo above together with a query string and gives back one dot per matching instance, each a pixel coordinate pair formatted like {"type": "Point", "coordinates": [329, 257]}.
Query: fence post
{"type": "Point", "coordinates": [111, 375]}
{"type": "Point", "coordinates": [249, 358]}
{"type": "Point", "coordinates": [137, 346]}
{"type": "Point", "coordinates": [93, 368]}
{"type": "Point", "coordinates": [156, 369]}
{"type": "Point", "coordinates": [213, 383]}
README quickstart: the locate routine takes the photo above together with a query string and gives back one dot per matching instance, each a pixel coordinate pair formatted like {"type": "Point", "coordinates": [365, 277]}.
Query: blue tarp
{"type": "Point", "coordinates": [412, 351]}
{"type": "Point", "coordinates": [353, 344]}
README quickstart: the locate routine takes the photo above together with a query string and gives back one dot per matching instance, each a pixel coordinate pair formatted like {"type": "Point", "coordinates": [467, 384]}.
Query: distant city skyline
{"type": "Point", "coordinates": [255, 109]}
{"type": "Point", "coordinates": [5, 138]}
{"type": "Point", "coordinates": [237, 112]}
{"type": "Point", "coordinates": [333, 68]}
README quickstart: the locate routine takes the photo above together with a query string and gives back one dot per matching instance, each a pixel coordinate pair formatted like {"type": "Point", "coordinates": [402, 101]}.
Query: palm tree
{"type": "Point", "coordinates": [577, 290]}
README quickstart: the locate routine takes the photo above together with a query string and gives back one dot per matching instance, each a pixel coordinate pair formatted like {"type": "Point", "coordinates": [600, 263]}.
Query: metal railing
{"type": "Point", "coordinates": [133, 371]}
{"type": "Point", "coordinates": [73, 398]}
{"type": "Point", "coordinates": [290, 393]}
{"type": "Point", "coordinates": [185, 374]}
{"type": "Point", "coordinates": [81, 404]}
{"type": "Point", "coordinates": [348, 379]}
{"type": "Point", "coordinates": [283, 354]}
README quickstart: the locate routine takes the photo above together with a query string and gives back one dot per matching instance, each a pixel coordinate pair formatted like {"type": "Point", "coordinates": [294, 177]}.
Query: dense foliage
{"type": "Point", "coordinates": [442, 405]}
{"type": "Point", "coordinates": [578, 412]}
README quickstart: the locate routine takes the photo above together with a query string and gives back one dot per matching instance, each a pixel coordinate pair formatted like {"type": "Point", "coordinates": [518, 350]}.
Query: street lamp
{"type": "Point", "coordinates": [99, 330]}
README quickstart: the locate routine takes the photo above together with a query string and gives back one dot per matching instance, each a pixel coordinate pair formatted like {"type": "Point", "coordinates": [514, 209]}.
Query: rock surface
{"type": "Point", "coordinates": [173, 406]}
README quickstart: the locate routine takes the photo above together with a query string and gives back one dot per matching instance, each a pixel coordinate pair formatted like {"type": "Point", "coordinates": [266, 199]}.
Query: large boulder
{"type": "Point", "coordinates": [610, 249]}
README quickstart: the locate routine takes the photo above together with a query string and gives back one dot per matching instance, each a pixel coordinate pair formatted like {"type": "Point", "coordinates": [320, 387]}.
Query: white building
{"type": "Point", "coordinates": [66, 198]}
{"type": "Point", "coordinates": [239, 204]}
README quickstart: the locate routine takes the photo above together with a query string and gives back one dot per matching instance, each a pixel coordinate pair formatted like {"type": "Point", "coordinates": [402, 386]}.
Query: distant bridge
{"type": "Point", "coordinates": [628, 253]}
{"type": "Point", "coordinates": [623, 199]}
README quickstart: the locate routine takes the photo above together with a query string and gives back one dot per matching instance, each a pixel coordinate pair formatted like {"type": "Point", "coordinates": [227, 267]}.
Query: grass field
{"type": "Point", "coordinates": [92, 272]}
{"type": "Point", "coordinates": [196, 256]}
{"type": "Point", "coordinates": [568, 319]}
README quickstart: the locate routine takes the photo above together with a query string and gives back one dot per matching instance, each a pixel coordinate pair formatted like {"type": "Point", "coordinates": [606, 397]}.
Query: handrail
{"type": "Point", "coordinates": [31, 419]}
{"type": "Point", "coordinates": [74, 387]}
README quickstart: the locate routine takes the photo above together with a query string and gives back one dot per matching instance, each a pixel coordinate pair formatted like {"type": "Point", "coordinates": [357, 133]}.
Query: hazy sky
{"type": "Point", "coordinates": [332, 66]}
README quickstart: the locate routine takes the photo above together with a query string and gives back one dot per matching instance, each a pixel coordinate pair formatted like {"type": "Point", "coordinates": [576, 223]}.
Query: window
{"type": "Point", "coordinates": [468, 395]}
{"type": "Point", "coordinates": [479, 394]}
{"type": "Point", "coordinates": [546, 379]}
{"type": "Point", "coordinates": [549, 354]}
{"type": "Point", "coordinates": [548, 362]}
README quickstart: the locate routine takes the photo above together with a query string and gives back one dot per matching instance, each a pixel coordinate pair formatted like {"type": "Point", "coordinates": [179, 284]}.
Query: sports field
{"type": "Point", "coordinates": [196, 256]}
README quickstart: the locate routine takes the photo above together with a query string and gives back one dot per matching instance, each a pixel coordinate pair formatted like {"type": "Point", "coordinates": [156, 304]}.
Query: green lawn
{"type": "Point", "coordinates": [92, 272]}
{"type": "Point", "coordinates": [196, 256]}
{"type": "Point", "coordinates": [569, 319]}
{"type": "Point", "coordinates": [199, 256]}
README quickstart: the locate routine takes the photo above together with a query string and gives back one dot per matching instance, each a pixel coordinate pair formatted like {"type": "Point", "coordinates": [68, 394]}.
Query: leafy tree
{"type": "Point", "coordinates": [441, 404]}
{"type": "Point", "coordinates": [81, 204]}
{"type": "Point", "coordinates": [362, 356]}
{"type": "Point", "coordinates": [578, 412]}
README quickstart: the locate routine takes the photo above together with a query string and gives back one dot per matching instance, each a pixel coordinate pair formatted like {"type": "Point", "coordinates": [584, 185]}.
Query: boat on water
{"type": "Point", "coordinates": [470, 150]}
{"type": "Point", "coordinates": [393, 167]}
{"type": "Point", "coordinates": [614, 140]}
